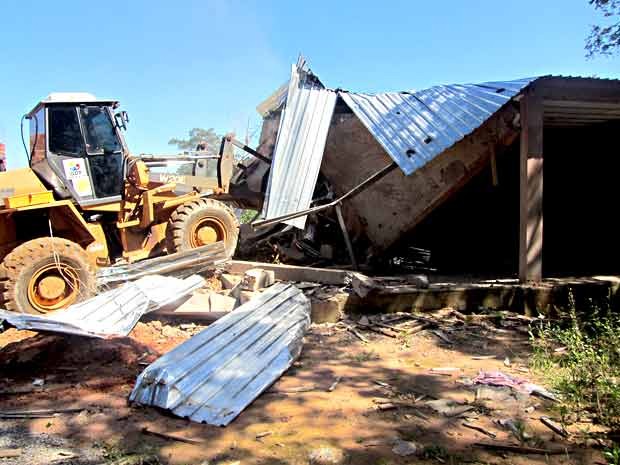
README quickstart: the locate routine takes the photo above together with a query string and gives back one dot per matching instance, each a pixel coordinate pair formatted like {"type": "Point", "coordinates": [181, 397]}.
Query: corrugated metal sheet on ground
{"type": "Point", "coordinates": [299, 146]}
{"type": "Point", "coordinates": [216, 374]}
{"type": "Point", "coordinates": [111, 313]}
{"type": "Point", "coordinates": [415, 127]}
{"type": "Point", "coordinates": [187, 262]}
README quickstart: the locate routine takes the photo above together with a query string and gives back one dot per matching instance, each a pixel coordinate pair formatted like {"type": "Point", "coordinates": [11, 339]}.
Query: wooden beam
{"type": "Point", "coordinates": [531, 189]}
{"type": "Point", "coordinates": [578, 89]}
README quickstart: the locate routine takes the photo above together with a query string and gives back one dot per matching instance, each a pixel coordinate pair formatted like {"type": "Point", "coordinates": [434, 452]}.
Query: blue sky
{"type": "Point", "coordinates": [180, 64]}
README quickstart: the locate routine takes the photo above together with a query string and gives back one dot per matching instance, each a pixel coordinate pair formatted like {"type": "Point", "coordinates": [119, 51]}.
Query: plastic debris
{"type": "Point", "coordinates": [498, 378]}
{"type": "Point", "coordinates": [404, 448]}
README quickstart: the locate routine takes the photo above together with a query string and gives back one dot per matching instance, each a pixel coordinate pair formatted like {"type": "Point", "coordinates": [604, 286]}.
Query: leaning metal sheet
{"type": "Point", "coordinates": [299, 147]}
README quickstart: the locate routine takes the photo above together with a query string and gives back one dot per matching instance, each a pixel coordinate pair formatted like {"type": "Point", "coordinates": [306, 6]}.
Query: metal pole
{"type": "Point", "coordinates": [250, 150]}
{"type": "Point", "coordinates": [347, 239]}
{"type": "Point", "coordinates": [353, 192]}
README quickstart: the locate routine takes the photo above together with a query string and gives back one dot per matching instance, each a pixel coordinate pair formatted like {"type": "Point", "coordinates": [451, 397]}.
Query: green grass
{"type": "Point", "coordinates": [580, 356]}
{"type": "Point", "coordinates": [247, 216]}
{"type": "Point", "coordinates": [612, 455]}
{"type": "Point", "coordinates": [586, 372]}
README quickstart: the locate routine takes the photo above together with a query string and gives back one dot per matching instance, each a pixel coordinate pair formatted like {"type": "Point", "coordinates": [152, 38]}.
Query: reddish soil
{"type": "Point", "coordinates": [98, 375]}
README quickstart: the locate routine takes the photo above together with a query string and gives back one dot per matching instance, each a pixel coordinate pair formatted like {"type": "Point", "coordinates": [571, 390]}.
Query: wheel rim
{"type": "Point", "coordinates": [53, 287]}
{"type": "Point", "coordinates": [207, 231]}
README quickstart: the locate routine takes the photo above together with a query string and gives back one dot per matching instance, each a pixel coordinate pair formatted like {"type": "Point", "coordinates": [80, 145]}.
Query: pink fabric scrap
{"type": "Point", "coordinates": [497, 378]}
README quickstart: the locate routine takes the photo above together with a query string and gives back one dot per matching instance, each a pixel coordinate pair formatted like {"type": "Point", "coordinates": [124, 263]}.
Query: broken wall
{"type": "Point", "coordinates": [397, 203]}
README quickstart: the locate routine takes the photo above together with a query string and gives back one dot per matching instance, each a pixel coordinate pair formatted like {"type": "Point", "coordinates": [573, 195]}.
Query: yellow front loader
{"type": "Point", "coordinates": [86, 202]}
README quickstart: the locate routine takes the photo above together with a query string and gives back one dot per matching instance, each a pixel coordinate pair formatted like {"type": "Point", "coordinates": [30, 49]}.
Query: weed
{"type": "Point", "coordinates": [365, 356]}
{"type": "Point", "coordinates": [247, 216]}
{"type": "Point", "coordinates": [115, 454]}
{"type": "Point", "coordinates": [384, 461]}
{"type": "Point", "coordinates": [612, 455]}
{"type": "Point", "coordinates": [404, 340]}
{"type": "Point", "coordinates": [435, 452]}
{"type": "Point", "coordinates": [587, 369]}
{"type": "Point", "coordinates": [520, 432]}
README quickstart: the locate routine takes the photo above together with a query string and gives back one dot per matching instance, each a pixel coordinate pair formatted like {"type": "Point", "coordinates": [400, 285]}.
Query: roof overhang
{"type": "Point", "coordinates": [72, 98]}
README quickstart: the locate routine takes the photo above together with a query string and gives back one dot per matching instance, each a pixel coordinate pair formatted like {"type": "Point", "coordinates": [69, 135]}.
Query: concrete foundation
{"type": "Point", "coordinates": [549, 297]}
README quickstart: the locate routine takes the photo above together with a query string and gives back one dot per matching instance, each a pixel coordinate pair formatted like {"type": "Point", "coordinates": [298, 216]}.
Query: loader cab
{"type": "Point", "coordinates": [77, 147]}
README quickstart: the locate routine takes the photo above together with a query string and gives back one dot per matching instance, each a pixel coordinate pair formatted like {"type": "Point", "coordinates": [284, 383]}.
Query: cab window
{"type": "Point", "coordinates": [65, 136]}
{"type": "Point", "coordinates": [99, 131]}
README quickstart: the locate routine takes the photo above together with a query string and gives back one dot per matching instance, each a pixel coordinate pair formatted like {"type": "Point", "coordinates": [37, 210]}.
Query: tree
{"type": "Point", "coordinates": [197, 136]}
{"type": "Point", "coordinates": [605, 39]}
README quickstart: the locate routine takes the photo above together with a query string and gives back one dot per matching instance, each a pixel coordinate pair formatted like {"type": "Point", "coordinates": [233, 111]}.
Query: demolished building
{"type": "Point", "coordinates": [469, 179]}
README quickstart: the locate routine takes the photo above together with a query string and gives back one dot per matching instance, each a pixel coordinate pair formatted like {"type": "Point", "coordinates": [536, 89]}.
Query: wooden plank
{"type": "Point", "coordinates": [292, 273]}
{"type": "Point", "coordinates": [612, 107]}
{"type": "Point", "coordinates": [494, 176]}
{"type": "Point", "coordinates": [10, 453]}
{"type": "Point", "coordinates": [172, 437]}
{"type": "Point", "coordinates": [522, 449]}
{"type": "Point", "coordinates": [578, 89]}
{"type": "Point", "coordinates": [531, 189]}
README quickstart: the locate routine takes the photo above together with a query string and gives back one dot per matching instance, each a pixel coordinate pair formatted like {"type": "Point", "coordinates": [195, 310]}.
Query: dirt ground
{"type": "Point", "coordinates": [345, 400]}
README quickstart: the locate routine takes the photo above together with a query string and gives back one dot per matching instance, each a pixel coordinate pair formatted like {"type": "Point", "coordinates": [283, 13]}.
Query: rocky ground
{"type": "Point", "coordinates": [375, 391]}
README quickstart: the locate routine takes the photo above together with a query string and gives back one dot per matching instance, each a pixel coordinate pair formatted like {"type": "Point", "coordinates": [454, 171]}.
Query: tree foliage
{"type": "Point", "coordinates": [208, 137]}
{"type": "Point", "coordinates": [605, 39]}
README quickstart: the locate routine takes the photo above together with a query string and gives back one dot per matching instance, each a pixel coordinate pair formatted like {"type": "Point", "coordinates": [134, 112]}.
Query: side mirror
{"type": "Point", "coordinates": [121, 119]}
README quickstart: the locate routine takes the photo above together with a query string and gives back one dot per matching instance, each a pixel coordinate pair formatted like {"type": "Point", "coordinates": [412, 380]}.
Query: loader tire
{"type": "Point", "coordinates": [46, 274]}
{"type": "Point", "coordinates": [202, 222]}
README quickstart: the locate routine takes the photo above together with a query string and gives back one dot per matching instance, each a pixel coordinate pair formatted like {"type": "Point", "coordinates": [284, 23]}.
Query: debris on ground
{"type": "Point", "coordinates": [553, 426]}
{"type": "Point", "coordinates": [362, 285]}
{"type": "Point", "coordinates": [172, 437]}
{"type": "Point", "coordinates": [10, 453]}
{"type": "Point", "coordinates": [326, 456]}
{"type": "Point", "coordinates": [256, 279]}
{"type": "Point", "coordinates": [404, 448]}
{"type": "Point", "coordinates": [361, 378]}
{"type": "Point", "coordinates": [187, 262]}
{"type": "Point", "coordinates": [47, 413]}
{"type": "Point", "coordinates": [221, 303]}
{"type": "Point", "coordinates": [214, 375]}
{"type": "Point", "coordinates": [111, 313]}
{"type": "Point", "coordinates": [449, 408]}
{"type": "Point", "coordinates": [522, 449]}
{"type": "Point", "coordinates": [482, 430]}
{"type": "Point", "coordinates": [230, 281]}
{"type": "Point", "coordinates": [497, 378]}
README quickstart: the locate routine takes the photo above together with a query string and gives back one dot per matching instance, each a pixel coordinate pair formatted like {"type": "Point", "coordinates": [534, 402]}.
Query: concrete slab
{"type": "Point", "coordinates": [549, 297]}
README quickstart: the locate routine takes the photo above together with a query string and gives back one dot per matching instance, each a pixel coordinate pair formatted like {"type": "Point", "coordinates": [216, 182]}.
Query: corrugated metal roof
{"type": "Point", "coordinates": [216, 374]}
{"type": "Point", "coordinates": [111, 313]}
{"type": "Point", "coordinates": [299, 146]}
{"type": "Point", "coordinates": [415, 127]}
